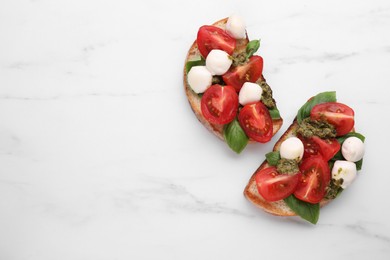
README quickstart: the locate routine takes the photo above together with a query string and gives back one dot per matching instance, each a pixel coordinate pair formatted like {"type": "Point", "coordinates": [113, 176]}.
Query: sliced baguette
{"type": "Point", "coordinates": [278, 208]}
{"type": "Point", "coordinates": [194, 99]}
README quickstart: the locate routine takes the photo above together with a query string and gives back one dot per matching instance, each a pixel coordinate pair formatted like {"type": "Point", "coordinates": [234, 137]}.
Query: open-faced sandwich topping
{"type": "Point", "coordinates": [249, 93]}
{"type": "Point", "coordinates": [256, 122]}
{"type": "Point", "coordinates": [353, 149]}
{"type": "Point", "coordinates": [250, 71]}
{"type": "Point", "coordinates": [219, 104]}
{"type": "Point", "coordinates": [274, 186]}
{"type": "Point", "coordinates": [218, 62]}
{"type": "Point", "coordinates": [337, 114]}
{"type": "Point", "coordinates": [212, 37]}
{"type": "Point", "coordinates": [235, 27]}
{"type": "Point", "coordinates": [292, 149]}
{"type": "Point", "coordinates": [199, 78]}
{"type": "Point", "coordinates": [345, 171]}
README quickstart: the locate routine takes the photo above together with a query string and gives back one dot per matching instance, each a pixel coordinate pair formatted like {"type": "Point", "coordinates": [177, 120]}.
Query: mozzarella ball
{"type": "Point", "coordinates": [292, 148]}
{"type": "Point", "coordinates": [218, 62]}
{"type": "Point", "coordinates": [344, 170]}
{"type": "Point", "coordinates": [353, 149]}
{"type": "Point", "coordinates": [250, 92]}
{"type": "Point", "coordinates": [199, 78]}
{"type": "Point", "coordinates": [235, 27]}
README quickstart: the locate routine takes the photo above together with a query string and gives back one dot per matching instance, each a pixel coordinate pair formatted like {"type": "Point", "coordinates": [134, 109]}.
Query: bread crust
{"type": "Point", "coordinates": [194, 99]}
{"type": "Point", "coordinates": [278, 208]}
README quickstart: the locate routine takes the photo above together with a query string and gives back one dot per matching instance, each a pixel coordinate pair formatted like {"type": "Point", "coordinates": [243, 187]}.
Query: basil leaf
{"type": "Point", "coordinates": [252, 47]}
{"type": "Point", "coordinates": [274, 113]}
{"type": "Point", "coordinates": [323, 97]}
{"type": "Point", "coordinates": [192, 63]}
{"type": "Point", "coordinates": [235, 137]}
{"type": "Point", "coordinates": [331, 164]}
{"type": "Point", "coordinates": [273, 158]}
{"type": "Point", "coordinates": [307, 211]}
{"type": "Point", "coordinates": [359, 164]}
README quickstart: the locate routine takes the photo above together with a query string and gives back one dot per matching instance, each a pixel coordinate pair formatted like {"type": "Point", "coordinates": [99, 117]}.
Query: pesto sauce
{"type": "Point", "coordinates": [239, 58]}
{"type": "Point", "coordinates": [334, 188]}
{"type": "Point", "coordinates": [266, 97]}
{"type": "Point", "coordinates": [320, 128]}
{"type": "Point", "coordinates": [287, 166]}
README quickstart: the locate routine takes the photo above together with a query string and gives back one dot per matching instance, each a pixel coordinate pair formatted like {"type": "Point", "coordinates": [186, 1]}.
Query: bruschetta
{"type": "Point", "coordinates": [312, 163]}
{"type": "Point", "coordinates": [225, 86]}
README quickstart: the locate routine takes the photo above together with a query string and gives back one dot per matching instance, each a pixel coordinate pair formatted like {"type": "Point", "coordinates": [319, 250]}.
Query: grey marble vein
{"type": "Point", "coordinates": [176, 198]}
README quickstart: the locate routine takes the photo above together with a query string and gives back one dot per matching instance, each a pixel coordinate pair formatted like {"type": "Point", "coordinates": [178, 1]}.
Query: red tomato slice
{"type": "Point", "coordinates": [325, 147]}
{"type": "Point", "coordinates": [256, 122]}
{"type": "Point", "coordinates": [219, 104]}
{"type": "Point", "coordinates": [315, 177]}
{"type": "Point", "coordinates": [274, 186]}
{"type": "Point", "coordinates": [250, 71]}
{"type": "Point", "coordinates": [337, 114]}
{"type": "Point", "coordinates": [212, 37]}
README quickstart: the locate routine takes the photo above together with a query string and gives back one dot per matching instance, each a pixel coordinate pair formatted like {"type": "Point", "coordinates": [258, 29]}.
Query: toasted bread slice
{"type": "Point", "coordinates": [278, 208]}
{"type": "Point", "coordinates": [194, 99]}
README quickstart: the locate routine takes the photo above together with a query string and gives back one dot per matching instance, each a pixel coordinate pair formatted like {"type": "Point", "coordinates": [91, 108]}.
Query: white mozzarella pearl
{"type": "Point", "coordinates": [218, 62]}
{"type": "Point", "coordinates": [344, 170]}
{"type": "Point", "coordinates": [250, 92]}
{"type": "Point", "coordinates": [199, 78]}
{"type": "Point", "coordinates": [235, 27]}
{"type": "Point", "coordinates": [292, 148]}
{"type": "Point", "coordinates": [353, 149]}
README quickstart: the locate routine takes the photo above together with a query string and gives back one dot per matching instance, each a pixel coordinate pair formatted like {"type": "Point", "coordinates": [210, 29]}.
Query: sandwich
{"type": "Point", "coordinates": [224, 83]}
{"type": "Point", "coordinates": [313, 162]}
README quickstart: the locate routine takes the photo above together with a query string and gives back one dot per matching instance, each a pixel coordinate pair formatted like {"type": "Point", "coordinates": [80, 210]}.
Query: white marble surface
{"type": "Point", "coordinates": [102, 158]}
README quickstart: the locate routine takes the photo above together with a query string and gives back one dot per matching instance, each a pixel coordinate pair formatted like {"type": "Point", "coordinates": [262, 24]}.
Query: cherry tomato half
{"type": "Point", "coordinates": [212, 37]}
{"type": "Point", "coordinates": [274, 186]}
{"type": "Point", "coordinates": [250, 71]}
{"type": "Point", "coordinates": [325, 147]}
{"type": "Point", "coordinates": [219, 104]}
{"type": "Point", "coordinates": [315, 177]}
{"type": "Point", "coordinates": [256, 122]}
{"type": "Point", "coordinates": [337, 114]}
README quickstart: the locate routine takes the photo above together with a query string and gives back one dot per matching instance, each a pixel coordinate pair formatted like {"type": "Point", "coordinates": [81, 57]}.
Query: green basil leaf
{"type": "Point", "coordinates": [331, 163]}
{"type": "Point", "coordinates": [235, 137]}
{"type": "Point", "coordinates": [359, 164]}
{"type": "Point", "coordinates": [323, 97]}
{"type": "Point", "coordinates": [252, 47]}
{"type": "Point", "coordinates": [192, 63]}
{"type": "Point", "coordinates": [307, 211]}
{"type": "Point", "coordinates": [273, 158]}
{"type": "Point", "coordinates": [274, 113]}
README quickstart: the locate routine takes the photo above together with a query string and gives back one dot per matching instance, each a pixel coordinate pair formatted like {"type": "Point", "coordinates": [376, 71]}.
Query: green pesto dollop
{"type": "Point", "coordinates": [239, 58]}
{"type": "Point", "coordinates": [287, 166]}
{"type": "Point", "coordinates": [334, 188]}
{"type": "Point", "coordinates": [266, 96]}
{"type": "Point", "coordinates": [308, 127]}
